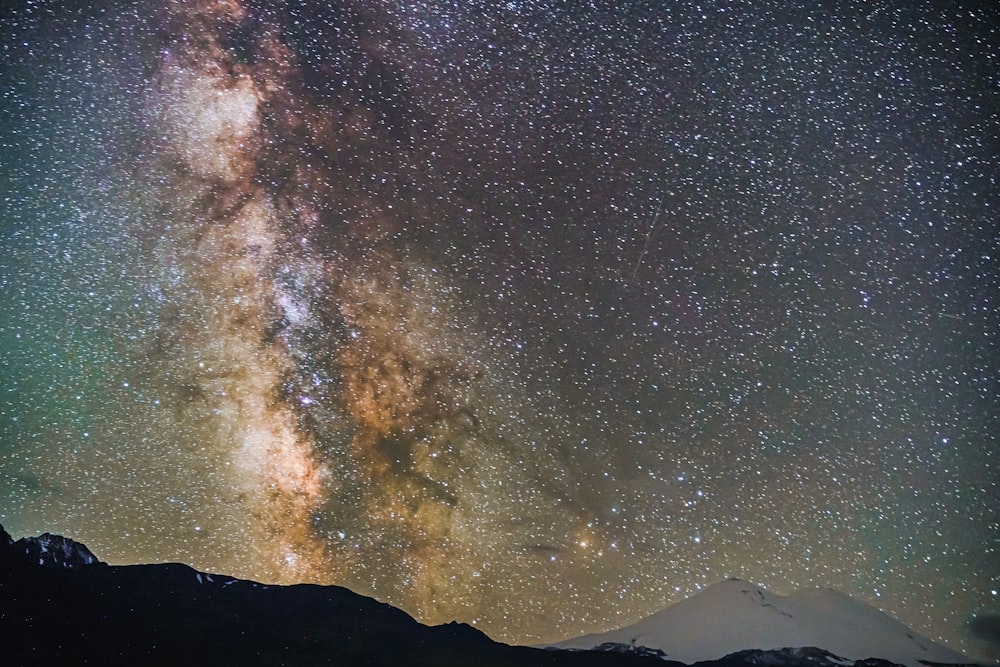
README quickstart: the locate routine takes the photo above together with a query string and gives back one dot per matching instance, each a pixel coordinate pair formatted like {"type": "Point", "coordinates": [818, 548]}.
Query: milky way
{"type": "Point", "coordinates": [527, 314]}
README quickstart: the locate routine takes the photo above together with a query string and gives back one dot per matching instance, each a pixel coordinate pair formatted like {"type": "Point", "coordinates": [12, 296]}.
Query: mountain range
{"type": "Point", "coordinates": [59, 604]}
{"type": "Point", "coordinates": [736, 615]}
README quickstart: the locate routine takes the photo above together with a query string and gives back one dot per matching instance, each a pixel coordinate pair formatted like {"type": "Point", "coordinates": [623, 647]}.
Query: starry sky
{"type": "Point", "coordinates": [539, 315]}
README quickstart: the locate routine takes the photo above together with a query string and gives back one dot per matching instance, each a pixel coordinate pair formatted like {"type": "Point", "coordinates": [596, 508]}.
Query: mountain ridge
{"type": "Point", "coordinates": [60, 603]}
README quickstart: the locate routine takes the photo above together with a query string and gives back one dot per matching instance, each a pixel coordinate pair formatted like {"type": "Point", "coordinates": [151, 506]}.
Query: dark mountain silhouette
{"type": "Point", "coordinates": [59, 604]}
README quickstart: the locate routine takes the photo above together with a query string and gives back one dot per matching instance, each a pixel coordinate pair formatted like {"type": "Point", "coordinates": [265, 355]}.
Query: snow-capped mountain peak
{"type": "Point", "coordinates": [56, 551]}
{"type": "Point", "coordinates": [736, 615]}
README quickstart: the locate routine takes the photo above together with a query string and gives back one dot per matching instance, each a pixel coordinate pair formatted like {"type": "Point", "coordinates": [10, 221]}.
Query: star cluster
{"type": "Point", "coordinates": [535, 315]}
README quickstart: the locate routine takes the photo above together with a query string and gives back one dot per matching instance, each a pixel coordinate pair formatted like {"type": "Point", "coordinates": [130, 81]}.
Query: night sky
{"type": "Point", "coordinates": [539, 315]}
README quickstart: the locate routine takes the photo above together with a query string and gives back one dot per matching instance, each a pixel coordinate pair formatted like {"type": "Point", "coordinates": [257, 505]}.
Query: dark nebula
{"type": "Point", "coordinates": [987, 628]}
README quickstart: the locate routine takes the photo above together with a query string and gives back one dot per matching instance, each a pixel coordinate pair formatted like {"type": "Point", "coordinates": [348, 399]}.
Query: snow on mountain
{"type": "Point", "coordinates": [56, 551]}
{"type": "Point", "coordinates": [735, 615]}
